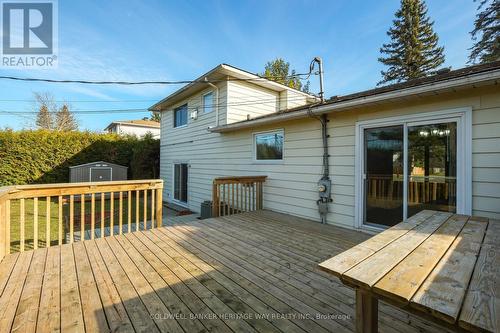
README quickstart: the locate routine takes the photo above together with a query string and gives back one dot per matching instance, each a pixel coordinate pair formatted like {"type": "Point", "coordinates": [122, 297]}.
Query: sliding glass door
{"type": "Point", "coordinates": [383, 178]}
{"type": "Point", "coordinates": [409, 167]}
{"type": "Point", "coordinates": [432, 167]}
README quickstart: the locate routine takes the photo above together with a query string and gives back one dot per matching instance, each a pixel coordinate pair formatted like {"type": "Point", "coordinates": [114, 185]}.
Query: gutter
{"type": "Point", "coordinates": [489, 77]}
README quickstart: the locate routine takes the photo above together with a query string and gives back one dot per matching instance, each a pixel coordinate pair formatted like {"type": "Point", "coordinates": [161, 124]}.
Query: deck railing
{"type": "Point", "coordinates": [33, 216]}
{"type": "Point", "coordinates": [232, 195]}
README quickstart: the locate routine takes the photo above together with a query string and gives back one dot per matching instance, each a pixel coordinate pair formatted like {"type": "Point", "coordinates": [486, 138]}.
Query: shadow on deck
{"type": "Point", "coordinates": [249, 272]}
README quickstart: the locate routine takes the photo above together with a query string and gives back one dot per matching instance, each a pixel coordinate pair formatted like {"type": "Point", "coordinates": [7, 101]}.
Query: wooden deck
{"type": "Point", "coordinates": [244, 273]}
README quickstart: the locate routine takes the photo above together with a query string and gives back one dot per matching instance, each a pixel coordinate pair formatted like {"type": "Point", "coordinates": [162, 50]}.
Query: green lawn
{"type": "Point", "coordinates": [15, 229]}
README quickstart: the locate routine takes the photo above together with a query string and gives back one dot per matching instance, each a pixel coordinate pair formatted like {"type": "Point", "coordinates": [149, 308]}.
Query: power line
{"type": "Point", "coordinates": [30, 79]}
{"type": "Point", "coordinates": [107, 111]}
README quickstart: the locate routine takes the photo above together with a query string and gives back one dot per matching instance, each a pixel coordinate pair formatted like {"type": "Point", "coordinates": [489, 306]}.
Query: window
{"type": "Point", "coordinates": [269, 146]}
{"type": "Point", "coordinates": [181, 116]}
{"type": "Point", "coordinates": [208, 102]}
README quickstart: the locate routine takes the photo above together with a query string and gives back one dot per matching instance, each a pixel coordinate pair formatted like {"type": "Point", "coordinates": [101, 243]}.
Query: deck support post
{"type": "Point", "coordinates": [366, 312]}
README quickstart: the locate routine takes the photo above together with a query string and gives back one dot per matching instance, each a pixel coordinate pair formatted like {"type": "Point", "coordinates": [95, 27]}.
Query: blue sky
{"type": "Point", "coordinates": [180, 40]}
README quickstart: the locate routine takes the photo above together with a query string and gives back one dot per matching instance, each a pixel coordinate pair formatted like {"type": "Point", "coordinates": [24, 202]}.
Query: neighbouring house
{"type": "Point", "coordinates": [138, 127]}
{"type": "Point", "coordinates": [431, 143]}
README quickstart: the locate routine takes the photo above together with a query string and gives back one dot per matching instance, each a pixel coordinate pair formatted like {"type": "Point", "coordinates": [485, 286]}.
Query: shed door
{"type": "Point", "coordinates": [100, 174]}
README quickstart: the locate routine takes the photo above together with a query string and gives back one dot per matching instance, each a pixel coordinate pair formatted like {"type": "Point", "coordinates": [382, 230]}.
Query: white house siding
{"type": "Point", "coordinates": [137, 130]}
{"type": "Point", "coordinates": [291, 186]}
{"type": "Point", "coordinates": [247, 99]}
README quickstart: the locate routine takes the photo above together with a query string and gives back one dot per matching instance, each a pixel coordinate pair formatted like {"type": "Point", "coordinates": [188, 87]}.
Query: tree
{"type": "Point", "coordinates": [279, 70]}
{"type": "Point", "coordinates": [155, 116]}
{"type": "Point", "coordinates": [46, 107]}
{"type": "Point", "coordinates": [51, 116]}
{"type": "Point", "coordinates": [64, 120]}
{"type": "Point", "coordinates": [486, 33]}
{"type": "Point", "coordinates": [44, 118]}
{"type": "Point", "coordinates": [413, 51]}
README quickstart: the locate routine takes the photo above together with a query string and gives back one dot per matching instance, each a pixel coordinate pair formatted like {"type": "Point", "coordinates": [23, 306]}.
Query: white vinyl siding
{"type": "Point", "coordinates": [246, 99]}
{"type": "Point", "coordinates": [291, 186]}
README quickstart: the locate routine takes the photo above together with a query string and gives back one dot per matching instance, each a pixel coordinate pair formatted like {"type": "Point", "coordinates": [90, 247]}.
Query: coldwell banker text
{"type": "Point", "coordinates": [29, 32]}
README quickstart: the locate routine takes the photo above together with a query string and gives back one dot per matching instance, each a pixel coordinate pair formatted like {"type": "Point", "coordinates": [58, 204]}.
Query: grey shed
{"type": "Point", "coordinates": [99, 171]}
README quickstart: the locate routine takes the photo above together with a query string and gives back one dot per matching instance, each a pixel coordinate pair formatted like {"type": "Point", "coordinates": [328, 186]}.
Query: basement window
{"type": "Point", "coordinates": [181, 116]}
{"type": "Point", "coordinates": [268, 146]}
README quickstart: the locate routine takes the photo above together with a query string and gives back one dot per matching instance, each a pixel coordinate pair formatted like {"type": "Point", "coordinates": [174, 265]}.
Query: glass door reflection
{"type": "Point", "coordinates": [432, 167]}
{"type": "Point", "coordinates": [383, 175]}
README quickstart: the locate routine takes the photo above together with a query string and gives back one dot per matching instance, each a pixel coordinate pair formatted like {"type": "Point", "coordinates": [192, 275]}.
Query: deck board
{"type": "Point", "coordinates": [252, 272]}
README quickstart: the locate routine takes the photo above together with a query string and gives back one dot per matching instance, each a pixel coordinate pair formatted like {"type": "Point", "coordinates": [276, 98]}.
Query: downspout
{"type": "Point", "coordinates": [216, 101]}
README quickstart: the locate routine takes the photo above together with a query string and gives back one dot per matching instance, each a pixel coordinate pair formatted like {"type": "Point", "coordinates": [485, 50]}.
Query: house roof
{"type": "Point", "coordinates": [138, 123]}
{"type": "Point", "coordinates": [446, 81]}
{"type": "Point", "coordinates": [221, 73]}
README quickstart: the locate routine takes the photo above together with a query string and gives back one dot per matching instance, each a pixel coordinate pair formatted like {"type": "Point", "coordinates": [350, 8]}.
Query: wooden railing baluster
{"type": "Point", "coordinates": [92, 215]}
{"type": "Point", "coordinates": [152, 208]}
{"type": "Point", "coordinates": [71, 218]}
{"type": "Point", "coordinates": [82, 217]}
{"type": "Point", "coordinates": [47, 221]}
{"type": "Point", "coordinates": [232, 195]}
{"type": "Point", "coordinates": [103, 214]}
{"type": "Point", "coordinates": [120, 213]}
{"type": "Point", "coordinates": [21, 222]}
{"type": "Point", "coordinates": [111, 214]}
{"type": "Point", "coordinates": [35, 223]}
{"type": "Point", "coordinates": [137, 195]}
{"type": "Point", "coordinates": [60, 218]}
{"type": "Point", "coordinates": [129, 210]}
{"type": "Point", "coordinates": [30, 237]}
{"type": "Point", "coordinates": [145, 210]}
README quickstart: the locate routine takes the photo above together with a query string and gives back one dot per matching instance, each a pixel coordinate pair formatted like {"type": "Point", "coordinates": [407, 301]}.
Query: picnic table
{"type": "Point", "coordinates": [438, 265]}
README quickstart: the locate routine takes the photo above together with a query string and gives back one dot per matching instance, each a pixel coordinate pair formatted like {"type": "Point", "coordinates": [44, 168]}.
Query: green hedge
{"type": "Point", "coordinates": [41, 156]}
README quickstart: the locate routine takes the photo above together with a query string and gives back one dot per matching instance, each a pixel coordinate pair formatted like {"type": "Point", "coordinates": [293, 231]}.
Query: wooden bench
{"type": "Point", "coordinates": [438, 265]}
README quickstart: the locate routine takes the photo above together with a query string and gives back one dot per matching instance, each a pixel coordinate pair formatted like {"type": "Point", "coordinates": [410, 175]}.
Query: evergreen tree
{"type": "Point", "coordinates": [278, 70]}
{"type": "Point", "coordinates": [65, 120]}
{"type": "Point", "coordinates": [155, 116]}
{"type": "Point", "coordinates": [413, 51]}
{"type": "Point", "coordinates": [44, 118]}
{"type": "Point", "coordinates": [486, 33]}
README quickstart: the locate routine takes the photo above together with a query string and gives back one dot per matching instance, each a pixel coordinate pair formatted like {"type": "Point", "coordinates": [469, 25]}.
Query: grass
{"type": "Point", "coordinates": [29, 230]}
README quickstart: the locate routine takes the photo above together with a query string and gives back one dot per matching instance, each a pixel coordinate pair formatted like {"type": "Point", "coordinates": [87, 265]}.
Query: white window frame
{"type": "Point", "coordinates": [254, 147]}
{"type": "Point", "coordinates": [187, 116]}
{"type": "Point", "coordinates": [203, 102]}
{"type": "Point", "coordinates": [174, 200]}
{"type": "Point", "coordinates": [463, 118]}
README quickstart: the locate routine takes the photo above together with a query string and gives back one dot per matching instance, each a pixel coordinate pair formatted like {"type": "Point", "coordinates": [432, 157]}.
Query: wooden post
{"type": "Point", "coordinates": [366, 312]}
{"type": "Point", "coordinates": [159, 207]}
{"type": "Point", "coordinates": [153, 208]}
{"type": "Point", "coordinates": [215, 200]}
{"type": "Point", "coordinates": [82, 217]}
